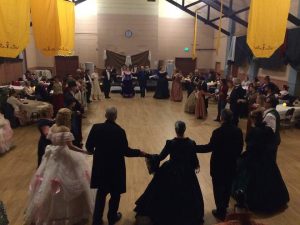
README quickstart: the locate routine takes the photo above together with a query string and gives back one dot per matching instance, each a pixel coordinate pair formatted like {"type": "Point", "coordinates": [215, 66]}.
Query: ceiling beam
{"type": "Point", "coordinates": [234, 13]}
{"type": "Point", "coordinates": [226, 11]}
{"type": "Point", "coordinates": [193, 3]}
{"type": "Point", "coordinates": [293, 19]}
{"type": "Point", "coordinates": [198, 16]}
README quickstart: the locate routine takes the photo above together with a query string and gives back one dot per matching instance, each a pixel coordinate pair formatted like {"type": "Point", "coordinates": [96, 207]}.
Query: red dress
{"type": "Point", "coordinates": [200, 110]}
{"type": "Point", "coordinates": [176, 91]}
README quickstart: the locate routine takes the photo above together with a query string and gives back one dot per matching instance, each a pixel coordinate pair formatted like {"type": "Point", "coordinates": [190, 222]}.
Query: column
{"type": "Point", "coordinates": [294, 79]}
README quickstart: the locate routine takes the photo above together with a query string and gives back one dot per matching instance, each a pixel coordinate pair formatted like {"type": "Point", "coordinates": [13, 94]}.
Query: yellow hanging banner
{"type": "Point", "coordinates": [267, 26]}
{"type": "Point", "coordinates": [53, 26]}
{"type": "Point", "coordinates": [14, 27]}
{"type": "Point", "coordinates": [66, 15]}
{"type": "Point", "coordinates": [44, 16]}
{"type": "Point", "coordinates": [194, 53]}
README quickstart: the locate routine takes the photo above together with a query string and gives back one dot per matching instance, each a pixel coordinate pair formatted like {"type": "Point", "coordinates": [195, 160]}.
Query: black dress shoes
{"type": "Point", "coordinates": [116, 219]}
{"type": "Point", "coordinates": [218, 214]}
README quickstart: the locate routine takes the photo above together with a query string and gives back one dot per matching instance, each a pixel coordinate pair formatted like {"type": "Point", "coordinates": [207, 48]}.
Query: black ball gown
{"type": "Point", "coordinates": [258, 173]}
{"type": "Point", "coordinates": [162, 88]}
{"type": "Point", "coordinates": [174, 197]}
{"type": "Point", "coordinates": [127, 86]}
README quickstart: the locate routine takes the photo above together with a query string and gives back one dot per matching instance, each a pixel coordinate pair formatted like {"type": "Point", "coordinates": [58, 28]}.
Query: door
{"type": "Point", "coordinates": [186, 65]}
{"type": "Point", "coordinates": [66, 65]}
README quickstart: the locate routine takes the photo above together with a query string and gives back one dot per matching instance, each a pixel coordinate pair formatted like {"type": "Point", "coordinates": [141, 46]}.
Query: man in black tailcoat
{"type": "Point", "coordinates": [108, 144]}
{"type": "Point", "coordinates": [237, 94]}
{"type": "Point", "coordinates": [142, 78]}
{"type": "Point", "coordinates": [107, 79]}
{"type": "Point", "coordinates": [226, 145]}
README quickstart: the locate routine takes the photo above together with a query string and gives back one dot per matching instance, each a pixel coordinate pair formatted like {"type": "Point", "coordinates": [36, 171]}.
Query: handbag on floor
{"type": "Point", "coordinates": [3, 216]}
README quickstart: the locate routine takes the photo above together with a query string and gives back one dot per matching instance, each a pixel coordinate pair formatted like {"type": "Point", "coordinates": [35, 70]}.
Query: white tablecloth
{"type": "Point", "coordinates": [33, 106]}
{"type": "Point", "coordinates": [283, 109]}
{"type": "Point", "coordinates": [17, 88]}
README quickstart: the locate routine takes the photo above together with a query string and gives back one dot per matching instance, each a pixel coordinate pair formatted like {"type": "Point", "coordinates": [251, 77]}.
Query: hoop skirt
{"type": "Point", "coordinates": [60, 191]}
{"type": "Point", "coordinates": [200, 109]}
{"type": "Point", "coordinates": [127, 87]}
{"type": "Point", "coordinates": [176, 91]}
{"type": "Point", "coordinates": [173, 197]}
{"type": "Point", "coordinates": [259, 175]}
{"type": "Point", "coordinates": [190, 104]}
{"type": "Point", "coordinates": [162, 88]}
{"type": "Point", "coordinates": [6, 134]}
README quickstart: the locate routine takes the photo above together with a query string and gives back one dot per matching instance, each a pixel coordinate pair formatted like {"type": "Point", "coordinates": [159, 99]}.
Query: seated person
{"type": "Point", "coordinates": [284, 94]}
{"type": "Point", "coordinates": [29, 90]}
{"type": "Point", "coordinates": [16, 103]}
{"type": "Point", "coordinates": [41, 93]}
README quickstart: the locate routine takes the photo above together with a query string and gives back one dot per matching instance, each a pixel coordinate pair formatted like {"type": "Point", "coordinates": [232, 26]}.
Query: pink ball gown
{"type": "Point", "coordinates": [6, 134]}
{"type": "Point", "coordinates": [60, 191]}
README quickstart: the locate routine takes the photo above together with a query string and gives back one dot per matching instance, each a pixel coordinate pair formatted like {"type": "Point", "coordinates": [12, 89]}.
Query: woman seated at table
{"type": "Point", "coordinates": [6, 134]}
{"type": "Point", "coordinates": [162, 88]}
{"type": "Point", "coordinates": [16, 103]}
{"type": "Point", "coordinates": [258, 174]}
{"type": "Point", "coordinates": [29, 90]}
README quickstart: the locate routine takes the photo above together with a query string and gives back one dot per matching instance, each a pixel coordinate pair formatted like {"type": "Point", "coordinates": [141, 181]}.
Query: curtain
{"type": "Point", "coordinates": [293, 48]}
{"type": "Point", "coordinates": [267, 26]}
{"type": "Point", "coordinates": [53, 26]}
{"type": "Point", "coordinates": [141, 59]}
{"type": "Point", "coordinates": [14, 27]}
{"type": "Point", "coordinates": [114, 59]}
{"type": "Point", "coordinates": [66, 17]}
{"type": "Point", "coordinates": [275, 62]}
{"type": "Point", "coordinates": [243, 53]}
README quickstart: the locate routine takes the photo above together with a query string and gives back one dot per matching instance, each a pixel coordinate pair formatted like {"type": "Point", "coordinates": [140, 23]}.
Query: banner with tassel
{"type": "Point", "coordinates": [267, 26]}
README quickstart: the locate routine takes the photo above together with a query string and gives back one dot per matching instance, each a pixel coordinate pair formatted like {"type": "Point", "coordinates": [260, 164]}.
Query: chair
{"type": "Point", "coordinates": [288, 122]}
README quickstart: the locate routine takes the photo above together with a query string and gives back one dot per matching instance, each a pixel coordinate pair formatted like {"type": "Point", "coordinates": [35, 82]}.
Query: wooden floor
{"type": "Point", "coordinates": [148, 123]}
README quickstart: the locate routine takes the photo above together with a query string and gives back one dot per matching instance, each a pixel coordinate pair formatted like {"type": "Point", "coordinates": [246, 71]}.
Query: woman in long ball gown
{"type": "Point", "coordinates": [127, 85]}
{"type": "Point", "coordinates": [96, 91]}
{"type": "Point", "coordinates": [6, 134]}
{"type": "Point", "coordinates": [58, 96]}
{"type": "Point", "coordinates": [60, 191]}
{"type": "Point", "coordinates": [174, 197]}
{"type": "Point", "coordinates": [176, 91]}
{"type": "Point", "coordinates": [190, 104]}
{"type": "Point", "coordinates": [200, 109]}
{"type": "Point", "coordinates": [258, 174]}
{"type": "Point", "coordinates": [162, 88]}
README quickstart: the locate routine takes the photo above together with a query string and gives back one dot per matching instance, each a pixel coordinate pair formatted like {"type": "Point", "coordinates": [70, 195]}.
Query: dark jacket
{"type": "Point", "coordinates": [142, 78]}
{"type": "Point", "coordinates": [226, 145]}
{"type": "Point", "coordinates": [236, 94]}
{"type": "Point", "coordinates": [108, 143]}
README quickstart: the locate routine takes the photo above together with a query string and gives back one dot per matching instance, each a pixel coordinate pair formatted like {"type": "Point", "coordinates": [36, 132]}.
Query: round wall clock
{"type": "Point", "coordinates": [128, 33]}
